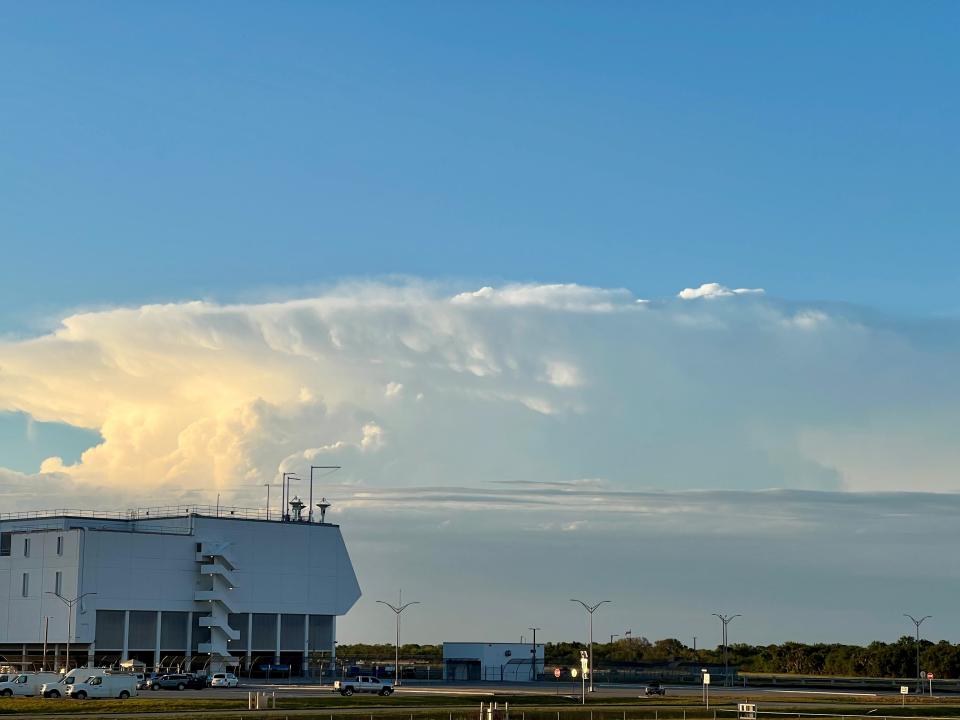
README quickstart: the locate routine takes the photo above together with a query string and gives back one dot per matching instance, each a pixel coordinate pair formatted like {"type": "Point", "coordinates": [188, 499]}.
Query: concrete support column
{"type": "Point", "coordinates": [126, 636]}
{"type": "Point", "coordinates": [156, 645]}
{"type": "Point", "coordinates": [91, 651]}
{"type": "Point", "coordinates": [23, 658]}
{"type": "Point", "coordinates": [189, 654]}
{"type": "Point", "coordinates": [56, 657]}
{"type": "Point", "coordinates": [249, 642]}
{"type": "Point", "coordinates": [306, 645]}
{"type": "Point", "coordinates": [276, 655]}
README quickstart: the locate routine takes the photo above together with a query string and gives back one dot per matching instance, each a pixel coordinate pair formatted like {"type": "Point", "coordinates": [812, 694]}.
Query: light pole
{"type": "Point", "coordinates": [287, 477]}
{"type": "Point", "coordinates": [312, 468]}
{"type": "Point", "coordinates": [397, 609]}
{"type": "Point", "coordinates": [725, 619]}
{"type": "Point", "coordinates": [69, 604]}
{"type": "Point", "coordinates": [918, 623]}
{"type": "Point", "coordinates": [533, 664]}
{"type": "Point", "coordinates": [267, 486]}
{"type": "Point", "coordinates": [590, 610]}
{"type": "Point", "coordinates": [612, 637]}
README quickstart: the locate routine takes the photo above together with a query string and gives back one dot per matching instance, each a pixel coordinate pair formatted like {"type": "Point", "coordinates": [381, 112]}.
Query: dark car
{"type": "Point", "coordinates": [654, 688]}
{"type": "Point", "coordinates": [177, 682]}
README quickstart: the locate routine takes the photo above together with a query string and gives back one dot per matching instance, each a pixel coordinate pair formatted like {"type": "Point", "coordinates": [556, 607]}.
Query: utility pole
{"type": "Point", "coordinates": [918, 623]}
{"type": "Point", "coordinates": [725, 619]}
{"type": "Point", "coordinates": [590, 610]}
{"type": "Point", "coordinates": [69, 604]}
{"type": "Point", "coordinates": [267, 486]}
{"type": "Point", "coordinates": [397, 609]}
{"type": "Point", "coordinates": [533, 664]}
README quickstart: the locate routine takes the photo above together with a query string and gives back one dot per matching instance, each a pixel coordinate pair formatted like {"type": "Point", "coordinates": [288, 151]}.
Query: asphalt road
{"type": "Point", "coordinates": [694, 693]}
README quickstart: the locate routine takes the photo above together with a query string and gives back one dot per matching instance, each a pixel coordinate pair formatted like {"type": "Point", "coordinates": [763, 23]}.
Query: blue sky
{"type": "Point", "coordinates": [166, 151]}
{"type": "Point", "coordinates": [441, 244]}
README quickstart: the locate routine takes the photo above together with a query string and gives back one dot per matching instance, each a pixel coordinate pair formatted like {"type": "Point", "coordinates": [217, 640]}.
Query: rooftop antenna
{"type": "Point", "coordinates": [323, 505]}
{"type": "Point", "coordinates": [332, 469]}
{"type": "Point", "coordinates": [297, 506]}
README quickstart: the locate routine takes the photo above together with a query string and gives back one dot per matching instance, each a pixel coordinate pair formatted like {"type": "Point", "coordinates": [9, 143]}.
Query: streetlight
{"type": "Point", "coordinates": [918, 623]}
{"type": "Point", "coordinates": [590, 610]}
{"type": "Point", "coordinates": [397, 610]}
{"type": "Point", "coordinates": [725, 619]}
{"type": "Point", "coordinates": [287, 477]}
{"type": "Point", "coordinates": [69, 604]}
{"type": "Point", "coordinates": [612, 637]}
{"type": "Point", "coordinates": [312, 468]}
{"type": "Point", "coordinates": [533, 663]}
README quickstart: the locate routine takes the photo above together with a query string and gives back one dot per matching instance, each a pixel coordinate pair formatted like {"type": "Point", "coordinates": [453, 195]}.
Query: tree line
{"type": "Point", "coordinates": [878, 659]}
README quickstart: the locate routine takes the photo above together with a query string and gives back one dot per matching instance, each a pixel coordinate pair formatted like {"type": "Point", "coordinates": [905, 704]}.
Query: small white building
{"type": "Point", "coordinates": [494, 662]}
{"type": "Point", "coordinates": [191, 587]}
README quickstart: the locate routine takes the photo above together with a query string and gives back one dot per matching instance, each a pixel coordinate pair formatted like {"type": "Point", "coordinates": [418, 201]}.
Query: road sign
{"type": "Point", "coordinates": [929, 676]}
{"type": "Point", "coordinates": [556, 672]}
{"type": "Point", "coordinates": [573, 672]}
{"type": "Point", "coordinates": [746, 711]}
{"type": "Point", "coordinates": [706, 678]}
{"type": "Point", "coordinates": [904, 690]}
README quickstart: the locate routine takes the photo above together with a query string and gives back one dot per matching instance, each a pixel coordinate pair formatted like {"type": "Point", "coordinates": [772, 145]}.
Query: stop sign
{"type": "Point", "coordinates": [929, 676]}
{"type": "Point", "coordinates": [556, 672]}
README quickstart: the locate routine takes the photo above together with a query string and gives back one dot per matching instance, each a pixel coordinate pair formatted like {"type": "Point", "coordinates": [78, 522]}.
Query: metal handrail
{"type": "Point", "coordinates": [146, 513]}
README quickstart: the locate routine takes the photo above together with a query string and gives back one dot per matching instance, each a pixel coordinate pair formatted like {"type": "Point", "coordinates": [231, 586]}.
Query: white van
{"type": "Point", "coordinates": [109, 685]}
{"type": "Point", "coordinates": [27, 684]}
{"type": "Point", "coordinates": [59, 688]}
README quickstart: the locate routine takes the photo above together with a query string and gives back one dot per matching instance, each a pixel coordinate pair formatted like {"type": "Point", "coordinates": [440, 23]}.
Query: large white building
{"type": "Point", "coordinates": [183, 586]}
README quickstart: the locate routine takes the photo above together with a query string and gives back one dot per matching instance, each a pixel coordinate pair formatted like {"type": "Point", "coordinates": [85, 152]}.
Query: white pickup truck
{"type": "Point", "coordinates": [363, 684]}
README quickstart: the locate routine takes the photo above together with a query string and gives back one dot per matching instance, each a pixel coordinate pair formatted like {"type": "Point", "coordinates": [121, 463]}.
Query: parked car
{"type": "Point", "coordinates": [363, 684]}
{"type": "Point", "coordinates": [180, 681]}
{"type": "Point", "coordinates": [654, 688]}
{"type": "Point", "coordinates": [228, 680]}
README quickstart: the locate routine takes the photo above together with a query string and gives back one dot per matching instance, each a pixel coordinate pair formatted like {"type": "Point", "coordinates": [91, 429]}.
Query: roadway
{"type": "Point", "coordinates": [564, 690]}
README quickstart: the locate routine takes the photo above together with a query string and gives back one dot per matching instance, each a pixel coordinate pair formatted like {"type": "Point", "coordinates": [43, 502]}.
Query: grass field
{"type": "Point", "coordinates": [522, 707]}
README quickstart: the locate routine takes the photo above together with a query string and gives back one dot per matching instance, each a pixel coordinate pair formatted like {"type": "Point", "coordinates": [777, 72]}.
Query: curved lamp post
{"type": "Point", "coordinates": [590, 609]}
{"type": "Point", "coordinates": [397, 609]}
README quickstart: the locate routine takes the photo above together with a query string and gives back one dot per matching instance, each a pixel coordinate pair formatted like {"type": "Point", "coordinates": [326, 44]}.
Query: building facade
{"type": "Point", "coordinates": [496, 662]}
{"type": "Point", "coordinates": [191, 588]}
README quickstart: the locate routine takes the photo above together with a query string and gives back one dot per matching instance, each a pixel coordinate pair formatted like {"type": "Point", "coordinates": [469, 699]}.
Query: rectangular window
{"type": "Point", "coordinates": [26, 584]}
{"type": "Point", "coordinates": [58, 583]}
{"type": "Point", "coordinates": [5, 539]}
{"type": "Point", "coordinates": [26, 547]}
{"type": "Point", "coordinates": [59, 544]}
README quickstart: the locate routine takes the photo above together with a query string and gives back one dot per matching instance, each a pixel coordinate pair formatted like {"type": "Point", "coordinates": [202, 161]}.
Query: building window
{"type": "Point", "coordinates": [5, 544]}
{"type": "Point", "coordinates": [26, 547]}
{"type": "Point", "coordinates": [59, 544]}
{"type": "Point", "coordinates": [26, 584]}
{"type": "Point", "coordinates": [58, 583]}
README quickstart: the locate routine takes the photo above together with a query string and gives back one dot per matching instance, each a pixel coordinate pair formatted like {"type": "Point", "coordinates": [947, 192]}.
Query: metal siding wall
{"type": "Point", "coordinates": [109, 629]}
{"type": "Point", "coordinates": [238, 621]}
{"type": "Point", "coordinates": [173, 631]}
{"type": "Point", "coordinates": [291, 632]}
{"type": "Point", "coordinates": [143, 630]}
{"type": "Point", "coordinates": [321, 632]}
{"type": "Point", "coordinates": [264, 631]}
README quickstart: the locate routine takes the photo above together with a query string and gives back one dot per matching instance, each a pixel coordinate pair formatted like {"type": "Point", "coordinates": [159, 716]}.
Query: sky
{"type": "Point", "coordinates": [653, 301]}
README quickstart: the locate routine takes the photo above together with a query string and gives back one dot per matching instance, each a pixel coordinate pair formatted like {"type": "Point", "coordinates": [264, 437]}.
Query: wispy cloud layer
{"type": "Point", "coordinates": [406, 385]}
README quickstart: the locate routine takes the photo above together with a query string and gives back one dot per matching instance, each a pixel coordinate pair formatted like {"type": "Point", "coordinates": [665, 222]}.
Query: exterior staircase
{"type": "Point", "coordinates": [215, 564]}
